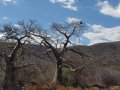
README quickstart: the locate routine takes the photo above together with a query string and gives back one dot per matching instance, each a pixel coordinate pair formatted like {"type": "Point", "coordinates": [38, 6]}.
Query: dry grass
{"type": "Point", "coordinates": [71, 88]}
{"type": "Point", "coordinates": [36, 86]}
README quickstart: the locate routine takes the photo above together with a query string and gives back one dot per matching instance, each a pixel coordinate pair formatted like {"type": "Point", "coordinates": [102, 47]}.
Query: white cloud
{"type": "Point", "coordinates": [17, 26]}
{"type": "Point", "coordinates": [107, 9]}
{"type": "Point", "coordinates": [98, 34]}
{"type": "Point", "coordinates": [69, 4]}
{"type": "Point", "coordinates": [72, 20]}
{"type": "Point", "coordinates": [6, 2]}
{"type": "Point", "coordinates": [5, 18]}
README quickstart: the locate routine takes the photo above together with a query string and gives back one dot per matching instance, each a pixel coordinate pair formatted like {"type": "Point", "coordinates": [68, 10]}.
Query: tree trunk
{"type": "Point", "coordinates": [9, 80]}
{"type": "Point", "coordinates": [58, 72]}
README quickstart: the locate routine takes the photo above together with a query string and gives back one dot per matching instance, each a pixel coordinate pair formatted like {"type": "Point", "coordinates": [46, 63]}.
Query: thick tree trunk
{"type": "Point", "coordinates": [9, 80]}
{"type": "Point", "coordinates": [58, 72]}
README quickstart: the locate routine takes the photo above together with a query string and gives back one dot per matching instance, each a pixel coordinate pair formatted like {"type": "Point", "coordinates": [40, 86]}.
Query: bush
{"type": "Point", "coordinates": [68, 77]}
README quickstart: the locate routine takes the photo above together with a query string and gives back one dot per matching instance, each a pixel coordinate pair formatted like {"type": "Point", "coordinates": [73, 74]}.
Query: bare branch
{"type": "Point", "coordinates": [46, 42]}
{"type": "Point", "coordinates": [59, 28]}
{"type": "Point", "coordinates": [73, 69]}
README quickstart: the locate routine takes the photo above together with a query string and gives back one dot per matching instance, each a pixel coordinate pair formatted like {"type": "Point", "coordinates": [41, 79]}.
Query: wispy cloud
{"type": "Point", "coordinates": [69, 4]}
{"type": "Point", "coordinates": [6, 2]}
{"type": "Point", "coordinates": [72, 20]}
{"type": "Point", "coordinates": [99, 33]}
{"type": "Point", "coordinates": [107, 9]}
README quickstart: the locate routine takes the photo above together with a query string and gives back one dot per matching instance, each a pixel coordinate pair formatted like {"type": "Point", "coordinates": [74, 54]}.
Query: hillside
{"type": "Point", "coordinates": [104, 71]}
{"type": "Point", "coordinates": [105, 54]}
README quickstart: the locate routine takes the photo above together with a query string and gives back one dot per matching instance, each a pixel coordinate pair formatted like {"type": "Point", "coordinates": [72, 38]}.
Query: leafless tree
{"type": "Point", "coordinates": [19, 34]}
{"type": "Point", "coordinates": [58, 40]}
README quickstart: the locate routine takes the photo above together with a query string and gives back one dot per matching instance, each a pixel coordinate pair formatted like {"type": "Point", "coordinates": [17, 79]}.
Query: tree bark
{"type": "Point", "coordinates": [9, 80]}
{"type": "Point", "coordinates": [58, 72]}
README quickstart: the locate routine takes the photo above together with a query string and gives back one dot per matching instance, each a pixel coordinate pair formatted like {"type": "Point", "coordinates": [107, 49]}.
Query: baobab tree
{"type": "Point", "coordinates": [58, 40]}
{"type": "Point", "coordinates": [19, 35]}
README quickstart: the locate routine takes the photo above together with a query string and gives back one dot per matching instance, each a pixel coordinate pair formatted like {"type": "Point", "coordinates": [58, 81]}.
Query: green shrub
{"type": "Point", "coordinates": [68, 77]}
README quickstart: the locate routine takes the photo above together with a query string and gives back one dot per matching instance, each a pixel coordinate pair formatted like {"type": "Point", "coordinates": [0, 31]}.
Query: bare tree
{"type": "Point", "coordinates": [19, 34]}
{"type": "Point", "coordinates": [58, 40]}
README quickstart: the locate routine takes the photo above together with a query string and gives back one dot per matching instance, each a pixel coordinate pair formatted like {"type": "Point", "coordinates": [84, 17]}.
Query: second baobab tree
{"type": "Point", "coordinates": [58, 40]}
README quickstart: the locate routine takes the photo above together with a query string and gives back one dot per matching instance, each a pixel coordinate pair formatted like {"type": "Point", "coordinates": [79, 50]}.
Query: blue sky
{"type": "Point", "coordinates": [103, 16]}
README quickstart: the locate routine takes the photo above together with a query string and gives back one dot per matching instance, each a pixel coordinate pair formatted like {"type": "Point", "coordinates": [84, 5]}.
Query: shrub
{"type": "Point", "coordinates": [68, 77]}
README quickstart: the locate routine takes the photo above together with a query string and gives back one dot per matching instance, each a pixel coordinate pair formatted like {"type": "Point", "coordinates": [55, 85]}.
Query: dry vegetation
{"type": "Point", "coordinates": [36, 86]}
{"type": "Point", "coordinates": [104, 73]}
